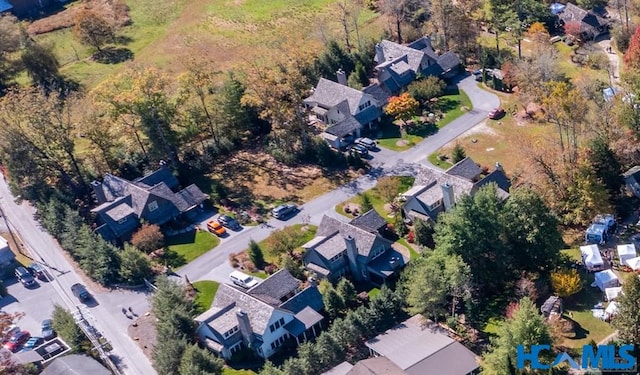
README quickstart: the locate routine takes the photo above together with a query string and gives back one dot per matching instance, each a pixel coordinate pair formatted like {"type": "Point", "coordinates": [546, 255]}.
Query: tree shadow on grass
{"type": "Point", "coordinates": [579, 332]}
{"type": "Point", "coordinates": [447, 104]}
{"type": "Point", "coordinates": [173, 259]}
{"type": "Point", "coordinates": [113, 55]}
{"type": "Point", "coordinates": [422, 129]}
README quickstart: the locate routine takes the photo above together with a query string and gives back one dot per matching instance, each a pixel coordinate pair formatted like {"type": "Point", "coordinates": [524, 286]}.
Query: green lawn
{"type": "Point", "coordinates": [443, 164]}
{"type": "Point", "coordinates": [302, 237]}
{"type": "Point", "coordinates": [376, 201]}
{"type": "Point", "coordinates": [450, 104]}
{"type": "Point", "coordinates": [373, 292]}
{"type": "Point", "coordinates": [186, 247]}
{"type": "Point", "coordinates": [259, 274]}
{"type": "Point", "coordinates": [206, 291]}
{"type": "Point", "coordinates": [232, 371]}
{"type": "Point", "coordinates": [413, 254]}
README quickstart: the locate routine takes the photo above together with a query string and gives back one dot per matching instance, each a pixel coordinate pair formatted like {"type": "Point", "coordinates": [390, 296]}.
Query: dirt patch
{"type": "Point", "coordinates": [255, 175]}
{"type": "Point", "coordinates": [481, 128]}
{"type": "Point", "coordinates": [402, 143]}
{"type": "Point", "coordinates": [143, 332]}
{"type": "Point", "coordinates": [114, 11]}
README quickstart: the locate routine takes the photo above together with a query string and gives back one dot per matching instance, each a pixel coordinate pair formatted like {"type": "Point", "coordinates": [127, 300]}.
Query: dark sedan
{"type": "Point", "coordinates": [229, 222]}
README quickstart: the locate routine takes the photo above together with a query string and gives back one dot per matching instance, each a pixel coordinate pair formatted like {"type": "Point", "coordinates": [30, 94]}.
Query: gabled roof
{"type": "Point", "coordinates": [275, 287]}
{"type": "Point", "coordinates": [162, 174]}
{"type": "Point", "coordinates": [448, 61]}
{"type": "Point", "coordinates": [341, 369]}
{"type": "Point", "coordinates": [369, 114]}
{"type": "Point", "coordinates": [371, 221]}
{"type": "Point", "coordinates": [633, 172]}
{"type": "Point", "coordinates": [329, 94]}
{"type": "Point", "coordinates": [309, 297]}
{"type": "Point", "coordinates": [376, 366]}
{"type": "Point", "coordinates": [75, 364]}
{"type": "Point", "coordinates": [378, 92]}
{"type": "Point", "coordinates": [344, 127]}
{"type": "Point", "coordinates": [589, 20]}
{"type": "Point", "coordinates": [259, 312]}
{"type": "Point", "coordinates": [465, 168]}
{"type": "Point", "coordinates": [336, 230]}
{"type": "Point", "coordinates": [393, 51]}
{"type": "Point", "coordinates": [115, 187]}
{"type": "Point", "coordinates": [496, 176]}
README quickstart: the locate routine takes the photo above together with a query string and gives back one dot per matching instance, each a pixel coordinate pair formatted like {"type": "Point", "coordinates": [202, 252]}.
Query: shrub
{"type": "Point", "coordinates": [148, 238]}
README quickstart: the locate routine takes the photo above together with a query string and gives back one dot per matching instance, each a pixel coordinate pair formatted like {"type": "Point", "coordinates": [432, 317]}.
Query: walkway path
{"type": "Point", "coordinates": [604, 44]}
{"type": "Point", "coordinates": [214, 264]}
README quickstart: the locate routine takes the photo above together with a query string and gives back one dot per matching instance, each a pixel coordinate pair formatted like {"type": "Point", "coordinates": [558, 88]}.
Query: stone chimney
{"type": "Point", "coordinates": [342, 77]}
{"type": "Point", "coordinates": [447, 196]}
{"type": "Point", "coordinates": [379, 54]}
{"type": "Point", "coordinates": [499, 167]}
{"type": "Point", "coordinates": [97, 190]}
{"type": "Point", "coordinates": [352, 255]}
{"type": "Point", "coordinates": [245, 326]}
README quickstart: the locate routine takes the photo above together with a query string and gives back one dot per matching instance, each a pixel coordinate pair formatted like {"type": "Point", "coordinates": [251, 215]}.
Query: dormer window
{"type": "Point", "coordinates": [365, 105]}
{"type": "Point", "coordinates": [152, 206]}
{"type": "Point", "coordinates": [230, 332]}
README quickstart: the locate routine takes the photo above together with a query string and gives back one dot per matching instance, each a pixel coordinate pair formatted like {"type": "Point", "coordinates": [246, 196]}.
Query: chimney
{"type": "Point", "coordinates": [245, 327]}
{"type": "Point", "coordinates": [447, 196]}
{"type": "Point", "coordinates": [313, 283]}
{"type": "Point", "coordinates": [342, 77]}
{"type": "Point", "coordinates": [352, 255]}
{"type": "Point", "coordinates": [379, 54]}
{"type": "Point", "coordinates": [499, 167]}
{"type": "Point", "coordinates": [97, 190]}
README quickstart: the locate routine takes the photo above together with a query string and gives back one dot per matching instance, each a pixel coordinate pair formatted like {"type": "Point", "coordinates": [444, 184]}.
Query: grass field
{"type": "Point", "coordinates": [206, 292]}
{"type": "Point", "coordinates": [376, 201]}
{"type": "Point", "coordinates": [186, 247]}
{"type": "Point", "coordinates": [451, 104]}
{"type": "Point", "coordinates": [232, 371]}
{"type": "Point", "coordinates": [304, 234]}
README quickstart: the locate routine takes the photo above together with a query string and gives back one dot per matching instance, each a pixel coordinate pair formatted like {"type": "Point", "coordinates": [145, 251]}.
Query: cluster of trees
{"type": "Point", "coordinates": [345, 338]}
{"type": "Point", "coordinates": [65, 326]}
{"type": "Point", "coordinates": [339, 300]}
{"type": "Point", "coordinates": [501, 240]}
{"type": "Point", "coordinates": [175, 351]}
{"type": "Point", "coordinates": [99, 259]}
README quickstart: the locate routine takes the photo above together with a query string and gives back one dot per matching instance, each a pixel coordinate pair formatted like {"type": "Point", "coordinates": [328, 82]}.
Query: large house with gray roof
{"type": "Point", "coordinates": [398, 65]}
{"type": "Point", "coordinates": [434, 191]}
{"type": "Point", "coordinates": [357, 248]}
{"type": "Point", "coordinates": [416, 347]}
{"type": "Point", "coordinates": [262, 318]}
{"type": "Point", "coordinates": [122, 204]}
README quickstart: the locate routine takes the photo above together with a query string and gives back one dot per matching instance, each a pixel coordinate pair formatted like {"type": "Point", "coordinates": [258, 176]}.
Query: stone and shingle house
{"type": "Point", "coordinates": [356, 248]}
{"type": "Point", "coordinates": [122, 204]}
{"type": "Point", "coordinates": [262, 318]}
{"type": "Point", "coordinates": [435, 191]}
{"type": "Point", "coordinates": [591, 24]}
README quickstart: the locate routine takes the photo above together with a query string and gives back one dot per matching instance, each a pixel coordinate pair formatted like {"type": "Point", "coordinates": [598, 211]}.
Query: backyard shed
{"type": "Point", "coordinates": [596, 233]}
{"type": "Point", "coordinates": [606, 279]}
{"type": "Point", "coordinates": [612, 293]}
{"type": "Point", "coordinates": [591, 257]}
{"type": "Point", "coordinates": [634, 263]}
{"type": "Point", "coordinates": [553, 305]}
{"type": "Point", "coordinates": [626, 252]}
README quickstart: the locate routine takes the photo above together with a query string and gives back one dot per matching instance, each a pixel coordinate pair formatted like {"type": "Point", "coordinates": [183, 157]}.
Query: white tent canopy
{"type": "Point", "coordinates": [634, 263]}
{"type": "Point", "coordinates": [591, 257]}
{"type": "Point", "coordinates": [613, 293]}
{"type": "Point", "coordinates": [611, 310]}
{"type": "Point", "coordinates": [626, 252]}
{"type": "Point", "coordinates": [606, 279]}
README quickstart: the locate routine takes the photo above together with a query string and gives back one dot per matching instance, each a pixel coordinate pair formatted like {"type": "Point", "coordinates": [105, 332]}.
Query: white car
{"type": "Point", "coordinates": [243, 280]}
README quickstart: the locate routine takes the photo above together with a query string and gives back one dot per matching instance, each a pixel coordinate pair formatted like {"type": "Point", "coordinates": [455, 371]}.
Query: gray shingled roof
{"type": "Point", "coordinates": [115, 187]}
{"type": "Point", "coordinates": [371, 221]}
{"type": "Point", "coordinates": [335, 231]}
{"type": "Point", "coordinates": [589, 21]}
{"type": "Point", "coordinates": [329, 94]}
{"type": "Point", "coordinates": [376, 366]}
{"type": "Point", "coordinates": [368, 115]}
{"type": "Point", "coordinates": [120, 211]}
{"type": "Point", "coordinates": [73, 364]}
{"type": "Point", "coordinates": [275, 287]}
{"type": "Point", "coordinates": [448, 61]}
{"type": "Point", "coordinates": [393, 51]}
{"type": "Point", "coordinates": [304, 320]}
{"type": "Point", "coordinates": [496, 176]}
{"type": "Point", "coordinates": [345, 127]}
{"type": "Point", "coordinates": [465, 168]}
{"type": "Point", "coordinates": [331, 246]}
{"type": "Point", "coordinates": [341, 369]}
{"type": "Point", "coordinates": [309, 297]}
{"type": "Point", "coordinates": [162, 174]}
{"type": "Point", "coordinates": [378, 92]}
{"type": "Point", "coordinates": [192, 195]}
{"type": "Point", "coordinates": [259, 312]}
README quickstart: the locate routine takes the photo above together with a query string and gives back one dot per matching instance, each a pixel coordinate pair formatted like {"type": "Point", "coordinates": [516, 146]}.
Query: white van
{"type": "Point", "coordinates": [243, 280]}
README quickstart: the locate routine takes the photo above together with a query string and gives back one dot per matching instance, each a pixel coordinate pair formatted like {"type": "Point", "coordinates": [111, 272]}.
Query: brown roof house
{"type": "Point", "coordinates": [262, 318]}
{"type": "Point", "coordinates": [123, 203]}
{"type": "Point", "coordinates": [356, 248]}
{"type": "Point", "coordinates": [592, 24]}
{"type": "Point", "coordinates": [416, 348]}
{"type": "Point", "coordinates": [435, 191]}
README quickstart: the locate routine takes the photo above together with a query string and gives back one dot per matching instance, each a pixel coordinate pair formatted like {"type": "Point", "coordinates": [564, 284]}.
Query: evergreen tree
{"type": "Point", "coordinates": [347, 292]}
{"type": "Point", "coordinates": [361, 75]}
{"type": "Point", "coordinates": [197, 361]}
{"type": "Point", "coordinates": [134, 266]}
{"type": "Point", "coordinates": [63, 323]}
{"type": "Point", "coordinates": [255, 254]}
{"type": "Point", "coordinates": [423, 232]}
{"type": "Point", "coordinates": [292, 265]}
{"type": "Point", "coordinates": [365, 203]}
{"type": "Point", "coordinates": [627, 320]}
{"type": "Point", "coordinates": [606, 166]}
{"type": "Point", "coordinates": [458, 153]}
{"type": "Point", "coordinates": [399, 225]}
{"type": "Point", "coordinates": [333, 303]}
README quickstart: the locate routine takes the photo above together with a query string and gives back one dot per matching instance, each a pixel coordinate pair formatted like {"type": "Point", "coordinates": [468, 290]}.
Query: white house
{"type": "Point", "coordinates": [262, 318]}
{"type": "Point", "coordinates": [606, 279]}
{"type": "Point", "coordinates": [626, 252]}
{"type": "Point", "coordinates": [591, 257]}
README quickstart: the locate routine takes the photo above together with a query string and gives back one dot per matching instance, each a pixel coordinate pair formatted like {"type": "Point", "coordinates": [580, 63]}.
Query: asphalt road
{"type": "Point", "coordinates": [214, 265]}
{"type": "Point", "coordinates": [103, 316]}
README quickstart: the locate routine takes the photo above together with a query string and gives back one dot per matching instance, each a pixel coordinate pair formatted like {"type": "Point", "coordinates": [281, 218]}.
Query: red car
{"type": "Point", "coordinates": [15, 343]}
{"type": "Point", "coordinates": [496, 113]}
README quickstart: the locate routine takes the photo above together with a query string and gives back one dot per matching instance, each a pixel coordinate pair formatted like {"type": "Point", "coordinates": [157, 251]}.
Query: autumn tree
{"type": "Point", "coordinates": [283, 241]}
{"type": "Point", "coordinates": [538, 33]}
{"type": "Point", "coordinates": [93, 29]}
{"type": "Point", "coordinates": [402, 107]}
{"type": "Point", "coordinates": [566, 282]}
{"type": "Point", "coordinates": [10, 42]}
{"type": "Point", "coordinates": [388, 188]}
{"type": "Point", "coordinates": [148, 238]}
{"type": "Point", "coordinates": [398, 11]}
{"type": "Point", "coordinates": [573, 29]}
{"type": "Point", "coordinates": [632, 56]}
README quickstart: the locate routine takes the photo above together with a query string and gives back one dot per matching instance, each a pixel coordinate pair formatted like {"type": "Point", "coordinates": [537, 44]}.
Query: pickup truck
{"type": "Point", "coordinates": [80, 292]}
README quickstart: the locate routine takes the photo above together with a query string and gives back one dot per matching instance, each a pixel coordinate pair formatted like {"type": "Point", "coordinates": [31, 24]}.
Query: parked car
{"type": "Point", "coordinates": [496, 113]}
{"type": "Point", "coordinates": [17, 340]}
{"type": "Point", "coordinates": [243, 280]}
{"type": "Point", "coordinates": [284, 211]}
{"type": "Point", "coordinates": [80, 292]}
{"type": "Point", "coordinates": [359, 150]}
{"type": "Point", "coordinates": [37, 270]}
{"type": "Point", "coordinates": [370, 144]}
{"type": "Point", "coordinates": [9, 332]}
{"type": "Point", "coordinates": [32, 343]}
{"type": "Point", "coordinates": [47, 330]}
{"type": "Point", "coordinates": [25, 277]}
{"type": "Point", "coordinates": [229, 222]}
{"type": "Point", "coordinates": [215, 227]}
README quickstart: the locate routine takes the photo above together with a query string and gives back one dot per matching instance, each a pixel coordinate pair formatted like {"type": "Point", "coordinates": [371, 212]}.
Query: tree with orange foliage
{"type": "Point", "coordinates": [538, 33]}
{"type": "Point", "coordinates": [632, 56]}
{"type": "Point", "coordinates": [93, 29]}
{"type": "Point", "coordinates": [573, 29]}
{"type": "Point", "coordinates": [402, 107]}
